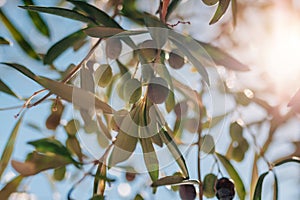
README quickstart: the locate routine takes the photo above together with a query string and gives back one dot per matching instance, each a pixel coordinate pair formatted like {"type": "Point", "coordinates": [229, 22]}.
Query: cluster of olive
{"type": "Point", "coordinates": [239, 144]}
{"type": "Point", "coordinates": [223, 189]}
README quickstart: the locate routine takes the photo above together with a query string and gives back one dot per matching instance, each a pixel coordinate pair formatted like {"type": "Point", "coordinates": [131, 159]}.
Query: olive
{"type": "Point", "coordinates": [176, 60]}
{"type": "Point", "coordinates": [158, 90]}
{"type": "Point", "coordinates": [224, 189]}
{"type": "Point", "coordinates": [187, 192]}
{"type": "Point", "coordinates": [148, 50]}
{"type": "Point", "coordinates": [113, 48]}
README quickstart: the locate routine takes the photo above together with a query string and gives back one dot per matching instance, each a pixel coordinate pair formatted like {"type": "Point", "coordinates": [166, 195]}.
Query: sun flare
{"type": "Point", "coordinates": [282, 53]}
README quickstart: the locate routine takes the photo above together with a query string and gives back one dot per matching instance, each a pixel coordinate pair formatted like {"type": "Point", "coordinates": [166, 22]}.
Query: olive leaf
{"type": "Point", "coordinates": [38, 162]}
{"type": "Point", "coordinates": [10, 187]}
{"type": "Point", "coordinates": [222, 7]}
{"type": "Point", "coordinates": [22, 42]}
{"type": "Point", "coordinates": [63, 12]}
{"type": "Point", "coordinates": [4, 88]}
{"type": "Point", "coordinates": [37, 20]}
{"type": "Point", "coordinates": [123, 148]}
{"type": "Point", "coordinates": [240, 188]}
{"type": "Point", "coordinates": [62, 45]}
{"type": "Point", "coordinates": [150, 158]}
{"type": "Point", "coordinates": [9, 147]}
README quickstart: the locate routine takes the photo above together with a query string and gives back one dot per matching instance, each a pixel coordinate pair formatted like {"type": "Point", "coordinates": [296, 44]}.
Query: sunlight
{"type": "Point", "coordinates": [282, 53]}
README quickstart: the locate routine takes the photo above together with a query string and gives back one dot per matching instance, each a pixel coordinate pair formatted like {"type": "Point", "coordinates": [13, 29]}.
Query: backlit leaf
{"type": "Point", "coordinates": [105, 32]}
{"type": "Point", "coordinates": [71, 14]}
{"type": "Point", "coordinates": [194, 52]}
{"type": "Point", "coordinates": [39, 162]}
{"type": "Point", "coordinates": [59, 173]}
{"type": "Point", "coordinates": [96, 14]}
{"type": "Point", "coordinates": [222, 58]}
{"type": "Point", "coordinates": [10, 187]}
{"type": "Point", "coordinates": [166, 138]}
{"type": "Point", "coordinates": [8, 150]}
{"type": "Point", "coordinates": [4, 88]}
{"type": "Point", "coordinates": [168, 180]}
{"type": "Point", "coordinates": [21, 69]}
{"type": "Point", "coordinates": [258, 188]}
{"type": "Point", "coordinates": [81, 98]}
{"type": "Point", "coordinates": [37, 20]}
{"type": "Point", "coordinates": [59, 47]}
{"type": "Point", "coordinates": [4, 41]}
{"type": "Point", "coordinates": [222, 7]}
{"type": "Point", "coordinates": [73, 146]}
{"type": "Point", "coordinates": [123, 148]}
{"type": "Point", "coordinates": [51, 145]}
{"type": "Point", "coordinates": [150, 158]}
{"type": "Point", "coordinates": [23, 43]}
{"type": "Point", "coordinates": [240, 188]}
{"type": "Point", "coordinates": [292, 159]}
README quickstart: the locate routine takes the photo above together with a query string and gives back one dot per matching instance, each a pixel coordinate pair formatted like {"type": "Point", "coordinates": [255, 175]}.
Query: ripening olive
{"type": "Point", "coordinates": [113, 48]}
{"type": "Point", "coordinates": [176, 60]}
{"type": "Point", "coordinates": [224, 189]}
{"type": "Point", "coordinates": [148, 50]}
{"type": "Point", "coordinates": [187, 192]}
{"type": "Point", "coordinates": [158, 90]}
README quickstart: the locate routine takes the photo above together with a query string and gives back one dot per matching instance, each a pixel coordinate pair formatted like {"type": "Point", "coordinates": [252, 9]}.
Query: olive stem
{"type": "Point", "coordinates": [199, 131]}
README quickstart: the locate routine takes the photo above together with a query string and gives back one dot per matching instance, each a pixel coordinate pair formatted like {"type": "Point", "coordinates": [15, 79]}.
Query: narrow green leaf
{"type": "Point", "coordinates": [75, 95]}
{"type": "Point", "coordinates": [4, 41]}
{"type": "Point", "coordinates": [166, 138]}
{"type": "Point", "coordinates": [10, 187]}
{"type": "Point", "coordinates": [292, 159]}
{"type": "Point", "coordinates": [9, 148]}
{"type": "Point", "coordinates": [222, 58]}
{"type": "Point", "coordinates": [37, 162]}
{"type": "Point", "coordinates": [194, 52]}
{"type": "Point", "coordinates": [71, 14]}
{"type": "Point", "coordinates": [275, 194]}
{"type": "Point", "coordinates": [138, 197]}
{"type": "Point", "coordinates": [23, 43]}
{"type": "Point", "coordinates": [21, 69]}
{"type": "Point", "coordinates": [168, 180]}
{"type": "Point", "coordinates": [123, 148]}
{"type": "Point", "coordinates": [99, 181]}
{"type": "Point", "coordinates": [37, 20]}
{"type": "Point", "coordinates": [50, 145]}
{"type": "Point", "coordinates": [131, 11]}
{"type": "Point", "coordinates": [73, 146]}
{"type": "Point", "coordinates": [4, 88]}
{"type": "Point", "coordinates": [59, 47]}
{"type": "Point", "coordinates": [105, 32]}
{"type": "Point", "coordinates": [150, 158]}
{"type": "Point", "coordinates": [173, 5]}
{"type": "Point", "coordinates": [96, 14]}
{"type": "Point", "coordinates": [222, 7]}
{"type": "Point", "coordinates": [240, 188]}
{"type": "Point", "coordinates": [258, 188]}
{"type": "Point", "coordinates": [59, 173]}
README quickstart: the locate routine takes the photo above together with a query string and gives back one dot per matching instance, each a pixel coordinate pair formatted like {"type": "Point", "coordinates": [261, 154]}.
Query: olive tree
{"type": "Point", "coordinates": [136, 96]}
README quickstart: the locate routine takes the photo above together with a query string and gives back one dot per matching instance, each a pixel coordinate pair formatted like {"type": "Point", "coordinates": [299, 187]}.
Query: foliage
{"type": "Point", "coordinates": [148, 88]}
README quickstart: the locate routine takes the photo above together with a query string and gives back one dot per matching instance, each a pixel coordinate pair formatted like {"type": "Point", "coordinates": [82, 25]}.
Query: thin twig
{"type": "Point", "coordinates": [199, 131]}
{"type": "Point", "coordinates": [71, 74]}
